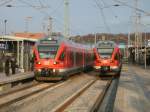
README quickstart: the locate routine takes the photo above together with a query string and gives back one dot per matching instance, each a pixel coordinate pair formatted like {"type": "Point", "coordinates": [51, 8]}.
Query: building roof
{"type": "Point", "coordinates": [30, 35]}
{"type": "Point", "coordinates": [15, 38]}
{"type": "Point", "coordinates": [33, 37]}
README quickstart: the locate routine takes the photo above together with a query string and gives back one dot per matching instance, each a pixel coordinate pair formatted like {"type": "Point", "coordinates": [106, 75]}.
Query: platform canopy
{"type": "Point", "coordinates": [15, 38]}
{"type": "Point", "coordinates": [20, 43]}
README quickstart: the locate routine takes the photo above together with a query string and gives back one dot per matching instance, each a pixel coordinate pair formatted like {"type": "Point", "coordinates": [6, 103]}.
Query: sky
{"type": "Point", "coordinates": [85, 16]}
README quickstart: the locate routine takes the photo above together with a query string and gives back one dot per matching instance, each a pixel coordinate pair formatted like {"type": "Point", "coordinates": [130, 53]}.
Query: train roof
{"type": "Point", "coordinates": [53, 40]}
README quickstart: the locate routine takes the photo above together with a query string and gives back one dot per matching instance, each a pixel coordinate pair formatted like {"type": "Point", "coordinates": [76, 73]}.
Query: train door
{"type": "Point", "coordinates": [84, 60]}
{"type": "Point", "coordinates": [118, 59]}
{"type": "Point", "coordinates": [63, 58]}
{"type": "Point", "coordinates": [74, 58]}
{"type": "Point", "coordinates": [35, 56]}
{"type": "Point", "coordinates": [69, 57]}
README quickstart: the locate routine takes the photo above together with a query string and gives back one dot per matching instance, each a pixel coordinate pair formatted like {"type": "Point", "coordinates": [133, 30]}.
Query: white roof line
{"type": "Point", "coordinates": [17, 38]}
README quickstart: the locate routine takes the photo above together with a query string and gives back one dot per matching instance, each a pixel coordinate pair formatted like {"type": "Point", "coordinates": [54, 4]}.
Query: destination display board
{"type": "Point", "coordinates": [48, 41]}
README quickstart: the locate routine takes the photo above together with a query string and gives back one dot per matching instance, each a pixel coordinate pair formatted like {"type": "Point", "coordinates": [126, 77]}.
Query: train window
{"type": "Point", "coordinates": [72, 54]}
{"type": "Point", "coordinates": [105, 52]}
{"type": "Point", "coordinates": [47, 48]}
{"type": "Point", "coordinates": [117, 57]}
{"type": "Point", "coordinates": [34, 57]}
{"type": "Point", "coordinates": [106, 44]}
{"type": "Point", "coordinates": [78, 58]}
{"type": "Point", "coordinates": [62, 57]}
{"type": "Point", "coordinates": [94, 56]}
{"type": "Point", "coordinates": [47, 51]}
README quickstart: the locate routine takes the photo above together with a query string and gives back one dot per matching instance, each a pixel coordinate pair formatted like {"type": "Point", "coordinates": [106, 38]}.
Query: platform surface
{"type": "Point", "coordinates": [133, 93]}
{"type": "Point", "coordinates": [19, 76]}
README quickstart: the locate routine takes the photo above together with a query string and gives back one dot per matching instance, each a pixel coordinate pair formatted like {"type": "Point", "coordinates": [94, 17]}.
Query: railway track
{"type": "Point", "coordinates": [18, 88]}
{"type": "Point", "coordinates": [19, 93]}
{"type": "Point", "coordinates": [79, 93]}
{"type": "Point", "coordinates": [68, 104]}
{"type": "Point", "coordinates": [24, 92]}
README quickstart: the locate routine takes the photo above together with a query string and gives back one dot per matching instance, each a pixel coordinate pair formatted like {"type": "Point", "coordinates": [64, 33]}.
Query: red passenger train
{"type": "Point", "coordinates": [108, 58]}
{"type": "Point", "coordinates": [56, 58]}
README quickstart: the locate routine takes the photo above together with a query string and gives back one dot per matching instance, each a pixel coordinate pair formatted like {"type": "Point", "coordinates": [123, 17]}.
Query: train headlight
{"type": "Point", "coordinates": [97, 67]}
{"type": "Point", "coordinates": [55, 62]}
{"type": "Point", "coordinates": [39, 63]}
{"type": "Point", "coordinates": [39, 70]}
{"type": "Point", "coordinates": [49, 38]}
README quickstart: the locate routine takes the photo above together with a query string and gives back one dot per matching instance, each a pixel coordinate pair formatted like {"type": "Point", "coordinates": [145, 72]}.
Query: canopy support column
{"type": "Point", "coordinates": [22, 56]}
{"type": "Point", "coordinates": [18, 53]}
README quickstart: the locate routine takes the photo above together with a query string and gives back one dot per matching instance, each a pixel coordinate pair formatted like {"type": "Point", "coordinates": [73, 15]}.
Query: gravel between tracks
{"type": "Point", "coordinates": [49, 99]}
{"type": "Point", "coordinates": [87, 100]}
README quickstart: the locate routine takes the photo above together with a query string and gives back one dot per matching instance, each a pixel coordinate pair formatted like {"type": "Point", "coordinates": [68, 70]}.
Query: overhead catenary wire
{"type": "Point", "coordinates": [110, 7]}
{"type": "Point", "coordinates": [132, 7]}
{"type": "Point", "coordinates": [57, 7]}
{"type": "Point", "coordinates": [112, 11]}
{"type": "Point", "coordinates": [39, 8]}
{"type": "Point", "coordinates": [4, 2]}
{"type": "Point", "coordinates": [30, 5]}
{"type": "Point", "coordinates": [103, 16]}
{"type": "Point", "coordinates": [42, 5]}
{"type": "Point", "coordinates": [41, 11]}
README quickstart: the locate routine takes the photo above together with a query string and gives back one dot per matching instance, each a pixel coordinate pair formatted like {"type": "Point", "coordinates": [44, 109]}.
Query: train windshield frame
{"type": "Point", "coordinates": [105, 52]}
{"type": "Point", "coordinates": [47, 51]}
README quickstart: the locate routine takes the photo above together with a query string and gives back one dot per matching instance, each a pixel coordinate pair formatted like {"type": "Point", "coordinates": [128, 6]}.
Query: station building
{"type": "Point", "coordinates": [18, 45]}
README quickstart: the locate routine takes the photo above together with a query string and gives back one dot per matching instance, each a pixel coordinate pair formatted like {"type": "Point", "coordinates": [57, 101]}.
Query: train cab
{"type": "Point", "coordinates": [107, 58]}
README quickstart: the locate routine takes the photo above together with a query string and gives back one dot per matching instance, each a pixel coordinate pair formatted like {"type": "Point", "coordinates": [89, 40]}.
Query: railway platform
{"type": "Point", "coordinates": [133, 93]}
{"type": "Point", "coordinates": [6, 81]}
{"type": "Point", "coordinates": [18, 76]}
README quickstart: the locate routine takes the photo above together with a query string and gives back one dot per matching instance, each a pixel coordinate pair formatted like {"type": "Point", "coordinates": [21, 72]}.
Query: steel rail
{"type": "Point", "coordinates": [29, 94]}
{"type": "Point", "coordinates": [101, 97]}
{"type": "Point", "coordinates": [17, 89]}
{"type": "Point", "coordinates": [35, 91]}
{"type": "Point", "coordinates": [68, 101]}
{"type": "Point", "coordinates": [108, 102]}
{"type": "Point", "coordinates": [16, 78]}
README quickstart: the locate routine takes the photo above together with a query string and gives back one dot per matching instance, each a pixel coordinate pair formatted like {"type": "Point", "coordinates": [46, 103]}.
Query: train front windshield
{"type": "Point", "coordinates": [105, 52]}
{"type": "Point", "coordinates": [47, 51]}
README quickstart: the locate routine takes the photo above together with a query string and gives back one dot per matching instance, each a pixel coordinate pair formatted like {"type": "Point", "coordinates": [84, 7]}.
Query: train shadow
{"type": "Point", "coordinates": [49, 81]}
{"type": "Point", "coordinates": [108, 77]}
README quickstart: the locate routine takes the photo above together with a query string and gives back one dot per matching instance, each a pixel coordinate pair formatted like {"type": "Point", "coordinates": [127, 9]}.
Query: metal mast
{"type": "Point", "coordinates": [66, 19]}
{"type": "Point", "coordinates": [136, 26]}
{"type": "Point", "coordinates": [49, 29]}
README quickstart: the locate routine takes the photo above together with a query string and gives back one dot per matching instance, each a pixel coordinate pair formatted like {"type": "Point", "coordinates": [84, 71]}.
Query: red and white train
{"type": "Point", "coordinates": [108, 58]}
{"type": "Point", "coordinates": [56, 58]}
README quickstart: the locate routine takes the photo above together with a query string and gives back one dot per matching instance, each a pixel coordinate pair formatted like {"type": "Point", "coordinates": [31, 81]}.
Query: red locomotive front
{"type": "Point", "coordinates": [57, 58]}
{"type": "Point", "coordinates": [107, 58]}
